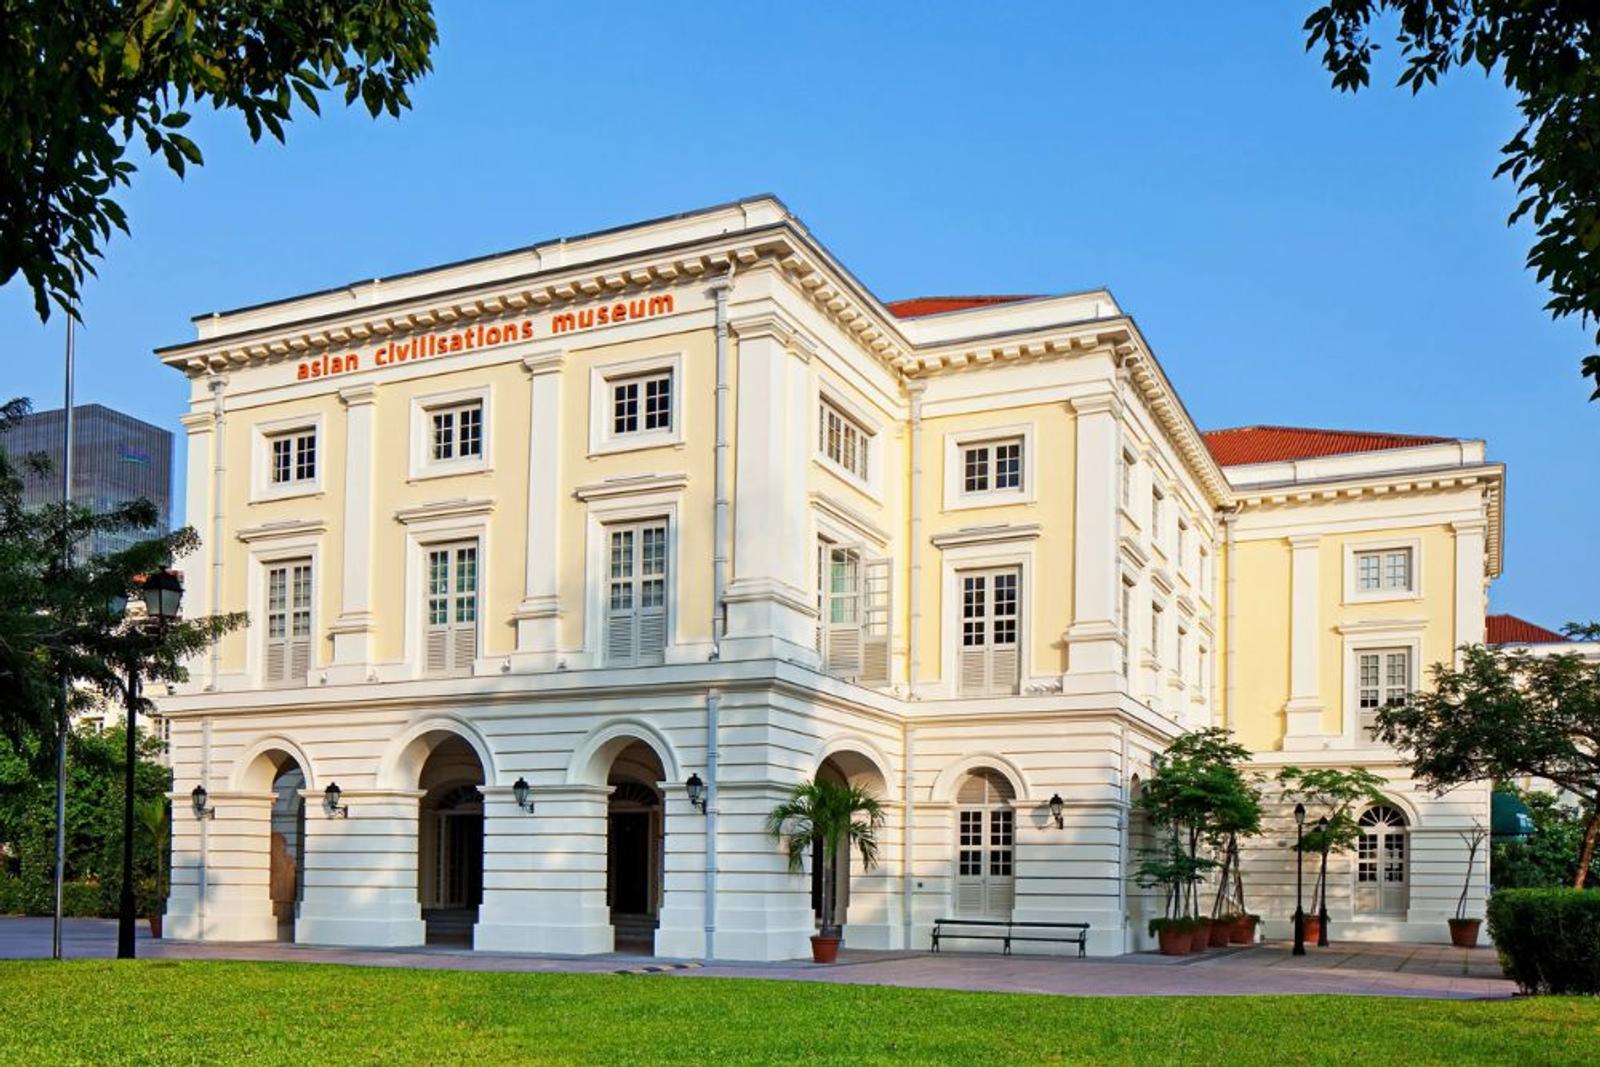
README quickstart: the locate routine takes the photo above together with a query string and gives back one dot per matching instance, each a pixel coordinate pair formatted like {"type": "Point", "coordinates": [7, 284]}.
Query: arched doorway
{"type": "Point", "coordinates": [1382, 870]}
{"type": "Point", "coordinates": [450, 841]}
{"type": "Point", "coordinates": [635, 830]}
{"type": "Point", "coordinates": [287, 878]}
{"type": "Point", "coordinates": [986, 829]}
{"type": "Point", "coordinates": [1144, 902]}
{"type": "Point", "coordinates": [845, 767]}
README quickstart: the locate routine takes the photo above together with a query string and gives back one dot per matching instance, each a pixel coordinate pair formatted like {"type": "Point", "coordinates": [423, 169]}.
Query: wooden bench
{"type": "Point", "coordinates": [1006, 931]}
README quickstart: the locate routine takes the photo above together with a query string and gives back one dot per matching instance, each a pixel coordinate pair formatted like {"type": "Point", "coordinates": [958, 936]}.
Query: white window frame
{"type": "Point", "coordinates": [262, 487]}
{"type": "Point", "coordinates": [866, 606]}
{"type": "Point", "coordinates": [958, 558]}
{"type": "Point", "coordinates": [1354, 594]}
{"type": "Point", "coordinates": [270, 552]}
{"type": "Point", "coordinates": [451, 551]}
{"type": "Point", "coordinates": [662, 505]}
{"type": "Point", "coordinates": [603, 439]}
{"type": "Point", "coordinates": [289, 610]}
{"type": "Point", "coordinates": [956, 497]}
{"type": "Point", "coordinates": [1127, 588]}
{"type": "Point", "coordinates": [869, 428]}
{"type": "Point", "coordinates": [986, 846]}
{"type": "Point", "coordinates": [1375, 637]}
{"type": "Point", "coordinates": [636, 578]}
{"type": "Point", "coordinates": [1160, 501]}
{"type": "Point", "coordinates": [1128, 469]}
{"type": "Point", "coordinates": [423, 408]}
{"type": "Point", "coordinates": [422, 536]}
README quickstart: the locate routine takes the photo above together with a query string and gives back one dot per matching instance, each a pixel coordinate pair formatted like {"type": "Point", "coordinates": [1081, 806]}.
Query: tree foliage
{"type": "Point", "coordinates": [1546, 52]}
{"type": "Point", "coordinates": [1506, 715]}
{"type": "Point", "coordinates": [82, 81]}
{"type": "Point", "coordinates": [838, 817]}
{"type": "Point", "coordinates": [1548, 857]}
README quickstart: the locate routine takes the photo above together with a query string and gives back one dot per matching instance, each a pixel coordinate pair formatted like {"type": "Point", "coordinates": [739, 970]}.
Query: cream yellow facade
{"type": "Point", "coordinates": [533, 543]}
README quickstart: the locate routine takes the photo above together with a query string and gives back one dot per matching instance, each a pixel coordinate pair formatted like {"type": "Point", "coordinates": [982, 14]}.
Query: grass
{"type": "Point", "coordinates": [162, 1011]}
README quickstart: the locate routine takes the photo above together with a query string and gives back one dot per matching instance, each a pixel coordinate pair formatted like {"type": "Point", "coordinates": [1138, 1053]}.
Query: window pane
{"type": "Point", "coordinates": [1397, 570]}
{"type": "Point", "coordinates": [658, 403]}
{"type": "Point", "coordinates": [306, 458]}
{"type": "Point", "coordinates": [1008, 466]}
{"type": "Point", "coordinates": [1367, 571]}
{"type": "Point", "coordinates": [281, 468]}
{"type": "Point", "coordinates": [470, 433]}
{"type": "Point", "coordinates": [444, 435]}
{"type": "Point", "coordinates": [625, 407]}
{"type": "Point", "coordinates": [975, 478]}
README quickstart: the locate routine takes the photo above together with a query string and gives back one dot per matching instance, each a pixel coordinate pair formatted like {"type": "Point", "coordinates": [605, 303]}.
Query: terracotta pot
{"type": "Point", "coordinates": [1220, 933]}
{"type": "Point", "coordinates": [825, 949]}
{"type": "Point", "coordinates": [1464, 932]}
{"type": "Point", "coordinates": [1243, 931]}
{"type": "Point", "coordinates": [1313, 924]}
{"type": "Point", "coordinates": [1202, 936]}
{"type": "Point", "coordinates": [155, 925]}
{"type": "Point", "coordinates": [1173, 942]}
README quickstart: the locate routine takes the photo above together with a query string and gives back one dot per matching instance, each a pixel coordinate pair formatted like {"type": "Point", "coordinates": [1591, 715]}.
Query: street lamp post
{"type": "Point", "coordinates": [162, 592]}
{"type": "Point", "coordinates": [1322, 886]}
{"type": "Point", "coordinates": [1299, 880]}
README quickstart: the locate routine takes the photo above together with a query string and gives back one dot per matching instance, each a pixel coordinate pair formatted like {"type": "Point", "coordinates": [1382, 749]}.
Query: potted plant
{"type": "Point", "coordinates": [154, 819]}
{"type": "Point", "coordinates": [1463, 930]}
{"type": "Point", "coordinates": [1244, 929]}
{"type": "Point", "coordinates": [834, 817]}
{"type": "Point", "coordinates": [1173, 936]}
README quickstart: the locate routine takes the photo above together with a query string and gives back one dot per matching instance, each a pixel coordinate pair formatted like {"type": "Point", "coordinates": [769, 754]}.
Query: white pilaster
{"type": "Point", "coordinates": [200, 427]}
{"type": "Point", "coordinates": [770, 612]}
{"type": "Point", "coordinates": [538, 616]}
{"type": "Point", "coordinates": [544, 874]}
{"type": "Point", "coordinates": [1303, 713]}
{"type": "Point", "coordinates": [1094, 647]}
{"type": "Point", "coordinates": [681, 933]}
{"type": "Point", "coordinates": [361, 871]}
{"type": "Point", "coordinates": [352, 630]}
{"type": "Point", "coordinates": [230, 856]}
{"type": "Point", "coordinates": [1469, 590]}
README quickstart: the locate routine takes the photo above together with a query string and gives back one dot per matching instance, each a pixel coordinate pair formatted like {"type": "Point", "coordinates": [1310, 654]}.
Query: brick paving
{"type": "Point", "coordinates": [1375, 969]}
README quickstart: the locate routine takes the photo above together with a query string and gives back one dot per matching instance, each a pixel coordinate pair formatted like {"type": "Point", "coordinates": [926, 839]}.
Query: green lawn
{"type": "Point", "coordinates": [217, 1013]}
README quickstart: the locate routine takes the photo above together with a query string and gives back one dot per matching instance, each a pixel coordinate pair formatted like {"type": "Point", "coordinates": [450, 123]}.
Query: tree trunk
{"type": "Point", "coordinates": [827, 886]}
{"type": "Point", "coordinates": [1590, 834]}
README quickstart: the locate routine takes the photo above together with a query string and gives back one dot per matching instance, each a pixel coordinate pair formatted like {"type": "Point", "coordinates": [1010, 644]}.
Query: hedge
{"type": "Point", "coordinates": [1548, 939]}
{"type": "Point", "coordinates": [78, 899]}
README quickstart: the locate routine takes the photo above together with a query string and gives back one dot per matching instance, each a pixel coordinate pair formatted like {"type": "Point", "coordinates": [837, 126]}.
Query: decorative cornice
{"type": "Point", "coordinates": [778, 327]}
{"type": "Point", "coordinates": [458, 508]}
{"type": "Point", "coordinates": [842, 513]}
{"type": "Point", "coordinates": [288, 528]}
{"type": "Point", "coordinates": [356, 395]}
{"type": "Point", "coordinates": [1381, 626]}
{"type": "Point", "coordinates": [987, 535]}
{"type": "Point", "coordinates": [632, 486]}
{"type": "Point", "coordinates": [547, 362]}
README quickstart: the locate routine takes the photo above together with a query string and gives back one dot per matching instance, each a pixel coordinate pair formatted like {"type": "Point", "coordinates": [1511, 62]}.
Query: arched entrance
{"type": "Point", "coordinates": [1382, 882]}
{"type": "Point", "coordinates": [986, 827]}
{"type": "Point", "coordinates": [450, 840]}
{"type": "Point", "coordinates": [635, 829]}
{"type": "Point", "coordinates": [287, 880]}
{"type": "Point", "coordinates": [845, 767]}
{"type": "Point", "coordinates": [1144, 902]}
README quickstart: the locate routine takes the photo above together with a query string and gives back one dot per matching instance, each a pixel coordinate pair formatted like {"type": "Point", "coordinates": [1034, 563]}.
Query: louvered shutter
{"type": "Point", "coordinates": [438, 651]}
{"type": "Point", "coordinates": [876, 622]}
{"type": "Point", "coordinates": [988, 658]}
{"type": "Point", "coordinates": [635, 629]}
{"type": "Point", "coordinates": [277, 657]}
{"type": "Point", "coordinates": [463, 648]}
{"type": "Point", "coordinates": [288, 643]}
{"type": "Point", "coordinates": [840, 580]}
{"type": "Point", "coordinates": [450, 628]}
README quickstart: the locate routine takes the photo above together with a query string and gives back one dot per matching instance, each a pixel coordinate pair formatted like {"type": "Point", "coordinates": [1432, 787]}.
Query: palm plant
{"type": "Point", "coordinates": [836, 817]}
{"type": "Point", "coordinates": [154, 819]}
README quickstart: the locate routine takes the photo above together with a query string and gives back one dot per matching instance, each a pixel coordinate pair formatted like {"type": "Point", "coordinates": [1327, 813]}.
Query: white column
{"type": "Point", "coordinates": [352, 630]}
{"type": "Point", "coordinates": [1469, 592]}
{"type": "Point", "coordinates": [230, 856]}
{"type": "Point", "coordinates": [200, 426]}
{"type": "Point", "coordinates": [361, 871]}
{"type": "Point", "coordinates": [538, 616]}
{"type": "Point", "coordinates": [770, 613]}
{"type": "Point", "coordinates": [1093, 648]}
{"type": "Point", "coordinates": [544, 874]}
{"type": "Point", "coordinates": [763, 911]}
{"type": "Point", "coordinates": [681, 933]}
{"type": "Point", "coordinates": [1303, 713]}
{"type": "Point", "coordinates": [874, 918]}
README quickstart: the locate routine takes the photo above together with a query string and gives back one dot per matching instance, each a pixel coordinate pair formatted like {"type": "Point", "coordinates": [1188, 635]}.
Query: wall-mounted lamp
{"type": "Point", "coordinates": [1057, 805]}
{"type": "Point", "coordinates": [202, 810]}
{"type": "Point", "coordinates": [697, 793]}
{"type": "Point", "coordinates": [330, 802]}
{"type": "Point", "coordinates": [519, 793]}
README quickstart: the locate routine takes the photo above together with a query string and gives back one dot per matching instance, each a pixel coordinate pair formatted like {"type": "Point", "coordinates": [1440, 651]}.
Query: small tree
{"type": "Point", "coordinates": [1507, 715]}
{"type": "Point", "coordinates": [1473, 839]}
{"type": "Point", "coordinates": [1198, 795]}
{"type": "Point", "coordinates": [1333, 794]}
{"type": "Point", "coordinates": [836, 817]}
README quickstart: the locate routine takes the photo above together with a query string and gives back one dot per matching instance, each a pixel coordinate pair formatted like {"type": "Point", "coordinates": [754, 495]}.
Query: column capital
{"type": "Point", "coordinates": [549, 361]}
{"type": "Point", "coordinates": [776, 327]}
{"type": "Point", "coordinates": [1096, 404]}
{"type": "Point", "coordinates": [1301, 542]}
{"type": "Point", "coordinates": [1470, 526]}
{"type": "Point", "coordinates": [358, 395]}
{"type": "Point", "coordinates": [197, 422]}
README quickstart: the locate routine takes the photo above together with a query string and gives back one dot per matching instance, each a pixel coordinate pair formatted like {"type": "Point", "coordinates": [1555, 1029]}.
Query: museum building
{"type": "Point", "coordinates": [564, 565]}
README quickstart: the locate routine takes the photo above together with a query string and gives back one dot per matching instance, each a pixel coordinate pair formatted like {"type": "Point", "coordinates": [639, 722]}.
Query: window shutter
{"type": "Point", "coordinates": [620, 637]}
{"type": "Point", "coordinates": [877, 621]}
{"type": "Point", "coordinates": [973, 671]}
{"type": "Point", "coordinates": [969, 895]}
{"type": "Point", "coordinates": [1003, 670]}
{"type": "Point", "coordinates": [299, 660]}
{"type": "Point", "coordinates": [277, 657]}
{"type": "Point", "coordinates": [844, 650]}
{"type": "Point", "coordinates": [1001, 895]}
{"type": "Point", "coordinates": [463, 647]}
{"type": "Point", "coordinates": [652, 636]}
{"type": "Point", "coordinates": [438, 650]}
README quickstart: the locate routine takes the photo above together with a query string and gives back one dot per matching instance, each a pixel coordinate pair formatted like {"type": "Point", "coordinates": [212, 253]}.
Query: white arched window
{"type": "Point", "coordinates": [986, 829]}
{"type": "Point", "coordinates": [1381, 862]}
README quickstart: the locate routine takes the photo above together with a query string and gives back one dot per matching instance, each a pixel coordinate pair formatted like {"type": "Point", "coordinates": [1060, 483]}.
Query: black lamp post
{"type": "Point", "coordinates": [1299, 880]}
{"type": "Point", "coordinates": [1057, 807]}
{"type": "Point", "coordinates": [1322, 886]}
{"type": "Point", "coordinates": [162, 593]}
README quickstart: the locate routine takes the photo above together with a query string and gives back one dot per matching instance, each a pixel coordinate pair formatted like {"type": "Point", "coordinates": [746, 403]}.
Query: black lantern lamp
{"type": "Point", "coordinates": [1299, 867]}
{"type": "Point", "coordinates": [519, 793]}
{"type": "Point", "coordinates": [1057, 806]}
{"type": "Point", "coordinates": [697, 793]}
{"type": "Point", "coordinates": [162, 593]}
{"type": "Point", "coordinates": [202, 810]}
{"type": "Point", "coordinates": [330, 802]}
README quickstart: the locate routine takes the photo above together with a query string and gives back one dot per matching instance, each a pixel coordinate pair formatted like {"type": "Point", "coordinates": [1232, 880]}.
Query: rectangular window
{"type": "Point", "coordinates": [642, 404]}
{"type": "Point", "coordinates": [1126, 624]}
{"type": "Point", "coordinates": [457, 432]}
{"type": "Point", "coordinates": [1128, 460]}
{"type": "Point", "coordinates": [1388, 570]}
{"type": "Point", "coordinates": [1156, 620]}
{"type": "Point", "coordinates": [288, 651]}
{"type": "Point", "coordinates": [1205, 571]}
{"type": "Point", "coordinates": [451, 630]}
{"type": "Point", "coordinates": [1158, 517]}
{"type": "Point", "coordinates": [1383, 679]}
{"type": "Point", "coordinates": [293, 457]}
{"type": "Point", "coordinates": [853, 604]}
{"type": "Point", "coordinates": [843, 440]}
{"type": "Point", "coordinates": [1183, 651]}
{"type": "Point", "coordinates": [636, 593]}
{"type": "Point", "coordinates": [992, 466]}
{"type": "Point", "coordinates": [1183, 542]}
{"type": "Point", "coordinates": [989, 656]}
{"type": "Point", "coordinates": [1203, 674]}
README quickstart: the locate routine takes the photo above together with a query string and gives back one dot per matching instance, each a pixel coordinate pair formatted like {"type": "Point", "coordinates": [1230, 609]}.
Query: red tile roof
{"type": "Point", "coordinates": [917, 306]}
{"type": "Point", "coordinates": [1273, 444]}
{"type": "Point", "coordinates": [1510, 630]}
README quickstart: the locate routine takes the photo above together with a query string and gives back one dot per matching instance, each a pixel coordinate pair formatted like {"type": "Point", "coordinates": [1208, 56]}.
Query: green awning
{"type": "Point", "coordinates": [1508, 817]}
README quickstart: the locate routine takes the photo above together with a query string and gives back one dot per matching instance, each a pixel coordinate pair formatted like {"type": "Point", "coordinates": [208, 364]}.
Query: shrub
{"type": "Point", "coordinates": [1548, 939]}
{"type": "Point", "coordinates": [79, 900]}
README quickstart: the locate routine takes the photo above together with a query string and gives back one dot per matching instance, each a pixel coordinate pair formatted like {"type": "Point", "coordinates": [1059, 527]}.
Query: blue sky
{"type": "Point", "coordinates": [1294, 255]}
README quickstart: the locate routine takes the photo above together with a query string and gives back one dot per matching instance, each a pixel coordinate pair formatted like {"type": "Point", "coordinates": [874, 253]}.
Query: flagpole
{"type": "Point", "coordinates": [61, 695]}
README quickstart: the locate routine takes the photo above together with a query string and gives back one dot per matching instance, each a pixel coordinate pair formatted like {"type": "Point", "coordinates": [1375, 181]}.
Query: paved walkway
{"type": "Point", "coordinates": [1353, 968]}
